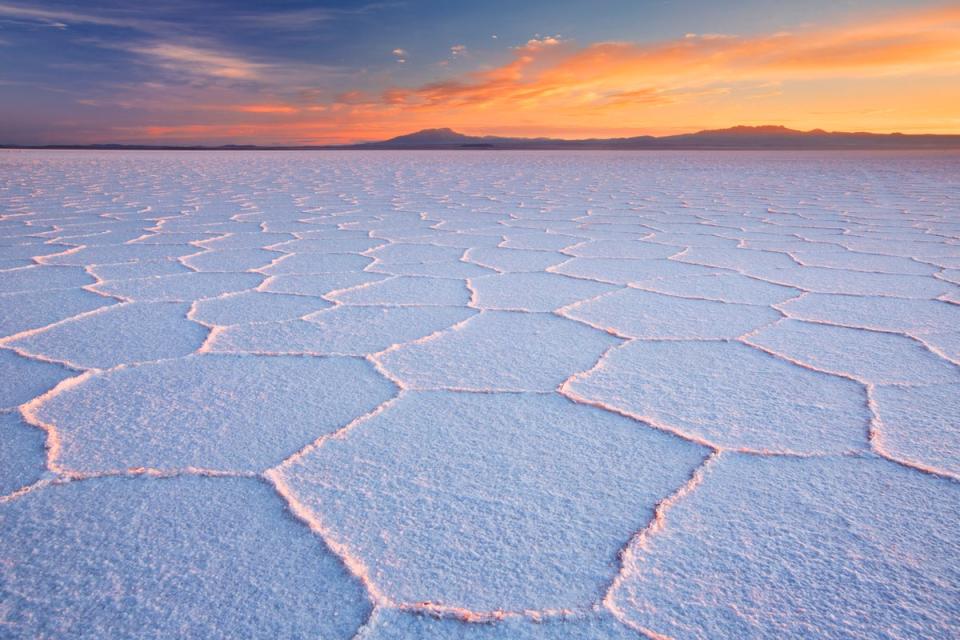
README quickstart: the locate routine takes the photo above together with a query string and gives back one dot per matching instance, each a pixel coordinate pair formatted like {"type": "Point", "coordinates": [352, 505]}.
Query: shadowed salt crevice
{"type": "Point", "coordinates": [824, 280]}
{"type": "Point", "coordinates": [858, 261]}
{"type": "Point", "coordinates": [22, 454]}
{"type": "Point", "coordinates": [534, 292]}
{"type": "Point", "coordinates": [246, 240]}
{"type": "Point", "coordinates": [396, 624]}
{"type": "Point", "coordinates": [23, 313]}
{"type": "Point", "coordinates": [621, 249]}
{"type": "Point", "coordinates": [17, 494]}
{"type": "Point", "coordinates": [138, 269]}
{"type": "Point", "coordinates": [15, 256]}
{"type": "Point", "coordinates": [407, 291]}
{"type": "Point", "coordinates": [606, 447]}
{"type": "Point", "coordinates": [566, 390]}
{"type": "Point", "coordinates": [623, 272]}
{"type": "Point", "coordinates": [546, 241]}
{"type": "Point", "coordinates": [122, 253]}
{"type": "Point", "coordinates": [513, 260]}
{"type": "Point", "coordinates": [119, 334]}
{"type": "Point", "coordinates": [276, 472]}
{"type": "Point", "coordinates": [646, 315]}
{"type": "Point", "coordinates": [923, 321]}
{"type": "Point", "coordinates": [704, 275]}
{"type": "Point", "coordinates": [319, 284]}
{"type": "Point", "coordinates": [315, 263]}
{"type": "Point", "coordinates": [230, 260]}
{"type": "Point", "coordinates": [877, 313]}
{"type": "Point", "coordinates": [641, 542]}
{"type": "Point", "coordinates": [43, 278]}
{"type": "Point", "coordinates": [869, 357]}
{"type": "Point", "coordinates": [721, 287]}
{"type": "Point", "coordinates": [136, 557]}
{"type": "Point", "coordinates": [731, 395]}
{"type": "Point", "coordinates": [480, 354]}
{"type": "Point", "coordinates": [212, 420]}
{"type": "Point", "coordinates": [459, 269]}
{"type": "Point", "coordinates": [334, 243]}
{"type": "Point", "coordinates": [342, 330]}
{"type": "Point", "coordinates": [60, 476]}
{"type": "Point", "coordinates": [185, 287]}
{"type": "Point", "coordinates": [948, 275]}
{"type": "Point", "coordinates": [762, 564]}
{"type": "Point", "coordinates": [25, 377]}
{"type": "Point", "coordinates": [917, 426]}
{"type": "Point", "coordinates": [946, 344]}
{"type": "Point", "coordinates": [952, 297]}
{"type": "Point", "coordinates": [565, 312]}
{"type": "Point", "coordinates": [254, 306]}
{"type": "Point", "coordinates": [397, 253]}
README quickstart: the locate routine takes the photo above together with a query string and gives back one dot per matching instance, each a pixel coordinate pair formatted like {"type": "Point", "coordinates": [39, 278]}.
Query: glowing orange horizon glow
{"type": "Point", "coordinates": [897, 73]}
{"type": "Point", "coordinates": [266, 108]}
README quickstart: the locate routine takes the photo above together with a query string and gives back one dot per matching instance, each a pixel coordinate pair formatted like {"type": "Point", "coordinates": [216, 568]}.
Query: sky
{"type": "Point", "coordinates": [297, 72]}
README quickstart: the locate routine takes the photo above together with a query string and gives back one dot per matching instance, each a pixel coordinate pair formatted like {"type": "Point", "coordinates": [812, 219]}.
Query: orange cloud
{"type": "Point", "coordinates": [197, 61]}
{"type": "Point", "coordinates": [327, 131]}
{"type": "Point", "coordinates": [558, 75]}
{"type": "Point", "coordinates": [266, 108]}
{"type": "Point", "coordinates": [900, 72]}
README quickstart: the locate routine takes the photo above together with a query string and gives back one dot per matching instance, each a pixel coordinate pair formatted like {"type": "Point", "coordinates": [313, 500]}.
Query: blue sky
{"type": "Point", "coordinates": [115, 71]}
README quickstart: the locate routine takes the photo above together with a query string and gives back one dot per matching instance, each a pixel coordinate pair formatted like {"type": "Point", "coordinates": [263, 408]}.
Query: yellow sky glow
{"type": "Point", "coordinates": [899, 73]}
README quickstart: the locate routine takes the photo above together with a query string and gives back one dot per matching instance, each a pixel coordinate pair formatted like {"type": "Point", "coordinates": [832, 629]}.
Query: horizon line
{"type": "Point", "coordinates": [755, 133]}
{"type": "Point", "coordinates": [734, 131]}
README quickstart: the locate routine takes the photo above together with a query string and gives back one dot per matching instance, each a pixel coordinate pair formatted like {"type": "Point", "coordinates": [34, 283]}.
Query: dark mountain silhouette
{"type": "Point", "coordinates": [778, 137]}
{"type": "Point", "coordinates": [429, 137]}
{"type": "Point", "coordinates": [445, 138]}
{"type": "Point", "coordinates": [739, 137]}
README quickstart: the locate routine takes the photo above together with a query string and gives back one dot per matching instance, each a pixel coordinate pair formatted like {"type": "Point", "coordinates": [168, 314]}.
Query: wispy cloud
{"type": "Point", "coordinates": [157, 39]}
{"type": "Point", "coordinates": [62, 18]}
{"type": "Point", "coordinates": [272, 109]}
{"type": "Point", "coordinates": [539, 42]}
{"type": "Point", "coordinates": [199, 61]}
{"type": "Point", "coordinates": [303, 19]}
{"type": "Point", "coordinates": [905, 69]}
{"type": "Point", "coordinates": [289, 20]}
{"type": "Point", "coordinates": [548, 72]}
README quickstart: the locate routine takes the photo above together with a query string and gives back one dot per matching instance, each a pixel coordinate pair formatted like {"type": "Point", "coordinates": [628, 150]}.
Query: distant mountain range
{"type": "Point", "coordinates": [741, 137]}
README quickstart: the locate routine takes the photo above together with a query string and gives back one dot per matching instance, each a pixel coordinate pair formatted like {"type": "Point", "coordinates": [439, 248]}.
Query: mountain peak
{"type": "Point", "coordinates": [443, 135]}
{"type": "Point", "coordinates": [746, 130]}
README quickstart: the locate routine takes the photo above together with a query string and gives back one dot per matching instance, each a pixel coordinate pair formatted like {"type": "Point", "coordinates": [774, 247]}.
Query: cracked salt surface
{"type": "Point", "coordinates": [223, 412]}
{"type": "Point", "coordinates": [729, 395]}
{"type": "Point", "coordinates": [389, 624]}
{"type": "Point", "coordinates": [25, 378]}
{"type": "Point", "coordinates": [640, 314]}
{"type": "Point", "coordinates": [182, 557]}
{"type": "Point", "coordinates": [478, 501]}
{"type": "Point", "coordinates": [512, 395]}
{"type": "Point", "coordinates": [21, 454]}
{"type": "Point", "coordinates": [482, 353]}
{"type": "Point", "coordinates": [121, 334]}
{"type": "Point", "coordinates": [842, 547]}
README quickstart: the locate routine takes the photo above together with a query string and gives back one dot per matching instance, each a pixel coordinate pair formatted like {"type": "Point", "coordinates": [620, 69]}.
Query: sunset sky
{"type": "Point", "coordinates": [294, 72]}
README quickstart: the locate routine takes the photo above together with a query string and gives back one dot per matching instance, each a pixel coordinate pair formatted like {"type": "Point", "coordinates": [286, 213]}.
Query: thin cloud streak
{"type": "Point", "coordinates": [61, 18]}
{"type": "Point", "coordinates": [199, 61]}
{"type": "Point", "coordinates": [548, 73]}
{"type": "Point", "coordinates": [877, 72]}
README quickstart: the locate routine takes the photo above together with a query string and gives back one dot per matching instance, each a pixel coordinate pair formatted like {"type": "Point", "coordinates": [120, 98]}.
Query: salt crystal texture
{"type": "Point", "coordinates": [384, 395]}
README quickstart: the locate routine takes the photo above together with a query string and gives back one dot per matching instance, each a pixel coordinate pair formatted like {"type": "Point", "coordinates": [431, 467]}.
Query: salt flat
{"type": "Point", "coordinates": [389, 395]}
